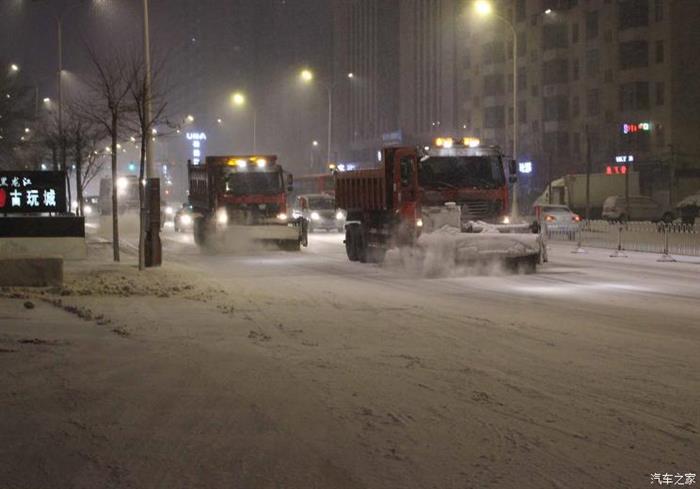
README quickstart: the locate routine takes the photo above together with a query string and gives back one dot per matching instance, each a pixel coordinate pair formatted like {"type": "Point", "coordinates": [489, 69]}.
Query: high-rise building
{"type": "Point", "coordinates": [602, 81]}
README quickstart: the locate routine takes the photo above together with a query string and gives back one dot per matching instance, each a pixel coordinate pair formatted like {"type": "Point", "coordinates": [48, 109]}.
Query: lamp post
{"type": "Point", "coordinates": [307, 76]}
{"type": "Point", "coordinates": [485, 9]}
{"type": "Point", "coordinates": [239, 100]}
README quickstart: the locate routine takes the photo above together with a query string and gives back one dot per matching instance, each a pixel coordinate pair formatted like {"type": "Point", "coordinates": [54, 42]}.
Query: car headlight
{"type": "Point", "coordinates": [222, 216]}
{"type": "Point", "coordinates": [419, 223]}
{"type": "Point", "coordinates": [315, 216]}
{"type": "Point", "coordinates": [169, 211]}
{"type": "Point", "coordinates": [340, 215]}
{"type": "Point", "coordinates": [87, 210]}
{"type": "Point", "coordinates": [505, 220]}
{"type": "Point", "coordinates": [186, 220]}
{"type": "Point", "coordinates": [282, 216]}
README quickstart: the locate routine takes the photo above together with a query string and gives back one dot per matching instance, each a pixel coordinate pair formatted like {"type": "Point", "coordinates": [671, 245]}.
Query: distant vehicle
{"type": "Point", "coordinates": [183, 220]}
{"type": "Point", "coordinates": [556, 218]}
{"type": "Point", "coordinates": [320, 212]}
{"type": "Point", "coordinates": [570, 190]}
{"type": "Point", "coordinates": [689, 208]}
{"type": "Point", "coordinates": [322, 183]}
{"type": "Point", "coordinates": [246, 194]}
{"type": "Point", "coordinates": [91, 205]}
{"type": "Point", "coordinates": [640, 208]}
{"type": "Point", "coordinates": [127, 195]}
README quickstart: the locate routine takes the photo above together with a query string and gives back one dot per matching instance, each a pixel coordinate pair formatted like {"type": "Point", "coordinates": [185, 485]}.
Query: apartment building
{"type": "Point", "coordinates": [603, 83]}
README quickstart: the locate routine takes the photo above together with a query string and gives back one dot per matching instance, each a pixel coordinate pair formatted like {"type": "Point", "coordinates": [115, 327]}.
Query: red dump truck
{"type": "Point", "coordinates": [243, 196]}
{"type": "Point", "coordinates": [452, 194]}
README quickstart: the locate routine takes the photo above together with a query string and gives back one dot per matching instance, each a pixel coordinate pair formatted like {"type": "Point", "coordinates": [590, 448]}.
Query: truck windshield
{"type": "Point", "coordinates": [250, 183]}
{"type": "Point", "coordinates": [461, 172]}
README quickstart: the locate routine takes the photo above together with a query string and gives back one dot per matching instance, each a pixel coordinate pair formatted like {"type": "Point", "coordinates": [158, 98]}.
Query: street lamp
{"type": "Point", "coordinates": [307, 77]}
{"type": "Point", "coordinates": [238, 99]}
{"type": "Point", "coordinates": [484, 8]}
{"type": "Point", "coordinates": [14, 68]}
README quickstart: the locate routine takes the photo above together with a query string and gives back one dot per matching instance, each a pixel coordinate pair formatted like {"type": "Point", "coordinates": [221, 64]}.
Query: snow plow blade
{"type": "Point", "coordinates": [451, 246]}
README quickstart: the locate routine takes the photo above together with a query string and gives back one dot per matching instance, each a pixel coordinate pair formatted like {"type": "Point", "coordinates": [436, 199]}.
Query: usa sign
{"type": "Point", "coordinates": [32, 192]}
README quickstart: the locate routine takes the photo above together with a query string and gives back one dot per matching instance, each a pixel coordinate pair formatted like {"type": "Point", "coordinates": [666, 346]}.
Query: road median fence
{"type": "Point", "coordinates": [665, 239]}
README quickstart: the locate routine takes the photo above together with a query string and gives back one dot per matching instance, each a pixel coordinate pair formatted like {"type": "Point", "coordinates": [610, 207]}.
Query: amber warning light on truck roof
{"type": "Point", "coordinates": [243, 163]}
{"type": "Point", "coordinates": [448, 143]}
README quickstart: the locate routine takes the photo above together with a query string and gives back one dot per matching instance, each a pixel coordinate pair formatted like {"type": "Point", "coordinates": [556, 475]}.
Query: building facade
{"type": "Point", "coordinates": [600, 83]}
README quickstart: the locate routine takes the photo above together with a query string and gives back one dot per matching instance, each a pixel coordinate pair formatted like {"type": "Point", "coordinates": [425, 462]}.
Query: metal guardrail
{"type": "Point", "coordinates": [666, 239]}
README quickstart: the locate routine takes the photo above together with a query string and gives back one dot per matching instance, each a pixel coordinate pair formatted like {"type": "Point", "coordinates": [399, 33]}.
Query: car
{"type": "Point", "coordinates": [91, 205]}
{"type": "Point", "coordinates": [557, 218]}
{"type": "Point", "coordinates": [639, 208]}
{"type": "Point", "coordinates": [320, 212]}
{"type": "Point", "coordinates": [689, 208]}
{"type": "Point", "coordinates": [183, 219]}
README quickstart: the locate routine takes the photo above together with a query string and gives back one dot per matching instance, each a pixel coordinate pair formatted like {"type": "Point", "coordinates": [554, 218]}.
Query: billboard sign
{"type": "Point", "coordinates": [32, 192]}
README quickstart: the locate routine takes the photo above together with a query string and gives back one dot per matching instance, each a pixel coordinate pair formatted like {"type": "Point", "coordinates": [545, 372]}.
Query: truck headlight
{"type": "Point", "coordinates": [222, 216]}
{"type": "Point", "coordinates": [87, 210]}
{"type": "Point", "coordinates": [315, 216]}
{"type": "Point", "coordinates": [419, 223]}
{"type": "Point", "coordinates": [169, 211]}
{"type": "Point", "coordinates": [282, 216]}
{"type": "Point", "coordinates": [340, 215]}
{"type": "Point", "coordinates": [505, 220]}
{"type": "Point", "coordinates": [186, 220]}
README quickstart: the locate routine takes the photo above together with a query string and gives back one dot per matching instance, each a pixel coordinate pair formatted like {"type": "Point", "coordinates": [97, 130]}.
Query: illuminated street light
{"type": "Point", "coordinates": [47, 100]}
{"type": "Point", "coordinates": [14, 68]}
{"type": "Point", "coordinates": [483, 7]}
{"type": "Point", "coordinates": [351, 75]}
{"type": "Point", "coordinates": [548, 11]}
{"type": "Point", "coordinates": [306, 76]}
{"type": "Point", "coordinates": [315, 143]}
{"type": "Point", "coordinates": [190, 119]}
{"type": "Point", "coordinates": [238, 99]}
{"type": "Point", "coordinates": [219, 121]}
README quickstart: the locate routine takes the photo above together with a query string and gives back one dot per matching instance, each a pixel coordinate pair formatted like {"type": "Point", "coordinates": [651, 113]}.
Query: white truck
{"type": "Point", "coordinates": [570, 190]}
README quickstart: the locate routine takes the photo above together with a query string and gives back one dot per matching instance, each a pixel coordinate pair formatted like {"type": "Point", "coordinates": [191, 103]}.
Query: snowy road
{"type": "Point", "coordinates": [586, 371]}
{"type": "Point", "coordinates": [303, 370]}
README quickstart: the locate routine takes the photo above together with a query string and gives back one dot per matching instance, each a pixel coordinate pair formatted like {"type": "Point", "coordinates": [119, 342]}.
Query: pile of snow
{"type": "Point", "coordinates": [691, 200]}
{"type": "Point", "coordinates": [450, 252]}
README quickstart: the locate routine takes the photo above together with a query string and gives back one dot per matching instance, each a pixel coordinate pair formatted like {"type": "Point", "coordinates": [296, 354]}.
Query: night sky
{"type": "Point", "coordinates": [210, 49]}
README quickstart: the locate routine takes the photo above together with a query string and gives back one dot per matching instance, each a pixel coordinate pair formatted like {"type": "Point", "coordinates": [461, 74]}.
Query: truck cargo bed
{"type": "Point", "coordinates": [361, 190]}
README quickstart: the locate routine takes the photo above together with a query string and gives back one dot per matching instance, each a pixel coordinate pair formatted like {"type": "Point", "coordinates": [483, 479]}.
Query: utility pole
{"type": "Point", "coordinates": [588, 174]}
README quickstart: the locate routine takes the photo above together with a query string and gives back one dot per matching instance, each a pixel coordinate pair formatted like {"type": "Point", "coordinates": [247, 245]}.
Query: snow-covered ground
{"type": "Point", "coordinates": [272, 369]}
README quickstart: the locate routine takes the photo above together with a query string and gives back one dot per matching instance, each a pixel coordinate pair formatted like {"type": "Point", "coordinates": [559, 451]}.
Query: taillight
{"type": "Point", "coordinates": [576, 218]}
{"type": "Point", "coordinates": [549, 218]}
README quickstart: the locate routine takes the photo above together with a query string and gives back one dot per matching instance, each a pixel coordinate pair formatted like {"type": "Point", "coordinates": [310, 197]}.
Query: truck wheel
{"type": "Point", "coordinates": [361, 245]}
{"type": "Point", "coordinates": [667, 218]}
{"type": "Point", "coordinates": [350, 246]}
{"type": "Point", "coordinates": [200, 231]}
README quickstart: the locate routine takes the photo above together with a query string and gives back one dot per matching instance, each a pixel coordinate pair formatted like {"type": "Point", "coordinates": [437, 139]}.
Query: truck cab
{"type": "Point", "coordinates": [245, 193]}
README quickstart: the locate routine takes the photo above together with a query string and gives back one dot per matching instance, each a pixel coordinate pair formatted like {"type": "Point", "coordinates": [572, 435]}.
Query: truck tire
{"type": "Point", "coordinates": [200, 231]}
{"type": "Point", "coordinates": [362, 246]}
{"type": "Point", "coordinates": [350, 242]}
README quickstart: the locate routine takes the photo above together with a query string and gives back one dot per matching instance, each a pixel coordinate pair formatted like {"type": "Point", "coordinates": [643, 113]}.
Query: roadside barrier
{"type": "Point", "coordinates": [665, 239]}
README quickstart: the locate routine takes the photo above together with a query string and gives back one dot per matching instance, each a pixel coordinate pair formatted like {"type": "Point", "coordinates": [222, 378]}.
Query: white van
{"type": "Point", "coordinates": [640, 208]}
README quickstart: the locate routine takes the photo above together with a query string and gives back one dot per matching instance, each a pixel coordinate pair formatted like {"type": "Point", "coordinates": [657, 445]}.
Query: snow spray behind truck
{"type": "Point", "coordinates": [453, 195]}
{"type": "Point", "coordinates": [245, 196]}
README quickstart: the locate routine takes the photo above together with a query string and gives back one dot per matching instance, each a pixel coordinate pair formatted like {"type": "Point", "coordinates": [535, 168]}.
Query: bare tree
{"type": "Point", "coordinates": [84, 136]}
{"type": "Point", "coordinates": [145, 122]}
{"type": "Point", "coordinates": [108, 106]}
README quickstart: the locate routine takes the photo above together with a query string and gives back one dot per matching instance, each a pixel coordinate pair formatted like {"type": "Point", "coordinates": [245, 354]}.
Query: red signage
{"type": "Point", "coordinates": [616, 170]}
